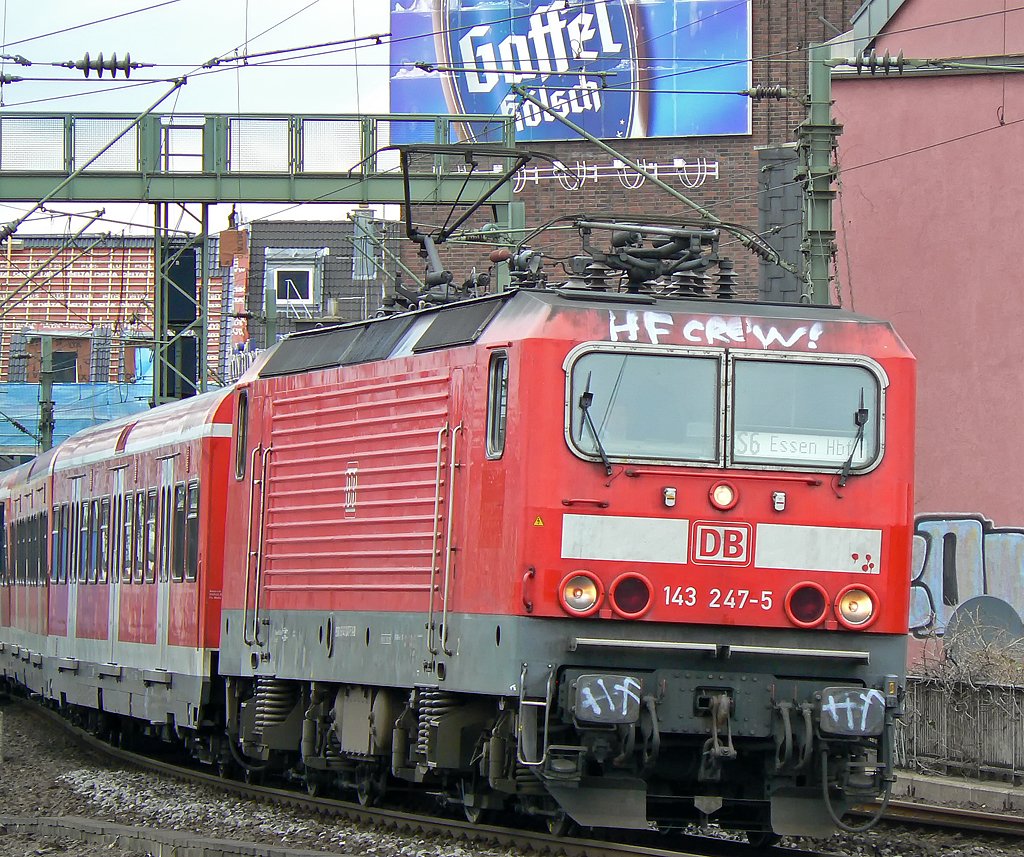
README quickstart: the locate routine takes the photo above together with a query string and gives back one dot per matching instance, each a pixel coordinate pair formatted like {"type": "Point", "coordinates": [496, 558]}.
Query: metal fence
{"type": "Point", "coordinates": [953, 727]}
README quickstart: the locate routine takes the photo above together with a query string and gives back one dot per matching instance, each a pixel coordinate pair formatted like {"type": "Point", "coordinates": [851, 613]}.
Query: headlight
{"type": "Point", "coordinates": [580, 593]}
{"type": "Point", "coordinates": [806, 604]}
{"type": "Point", "coordinates": [723, 496]}
{"type": "Point", "coordinates": [856, 606]}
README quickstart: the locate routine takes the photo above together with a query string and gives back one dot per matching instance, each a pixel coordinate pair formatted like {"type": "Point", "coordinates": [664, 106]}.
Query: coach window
{"type": "Point", "coordinates": [84, 522]}
{"type": "Point", "coordinates": [12, 571]}
{"type": "Point", "coordinates": [16, 552]}
{"type": "Point", "coordinates": [37, 549]}
{"type": "Point", "coordinates": [166, 518]}
{"type": "Point", "coordinates": [72, 538]}
{"type": "Point", "coordinates": [241, 433]}
{"type": "Point", "coordinates": [103, 548]}
{"type": "Point", "coordinates": [178, 537]}
{"type": "Point", "coordinates": [60, 545]}
{"type": "Point", "coordinates": [30, 551]}
{"type": "Point", "coordinates": [192, 528]}
{"type": "Point", "coordinates": [41, 572]}
{"type": "Point", "coordinates": [150, 570]}
{"type": "Point", "coordinates": [3, 544]}
{"type": "Point", "coordinates": [30, 555]}
{"type": "Point", "coordinates": [139, 551]}
{"type": "Point", "coordinates": [116, 535]}
{"type": "Point", "coordinates": [129, 538]}
{"type": "Point", "coordinates": [54, 541]}
{"type": "Point", "coordinates": [497, 403]}
{"type": "Point", "coordinates": [94, 539]}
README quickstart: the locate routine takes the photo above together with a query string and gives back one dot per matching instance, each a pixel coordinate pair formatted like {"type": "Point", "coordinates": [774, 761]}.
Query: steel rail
{"type": "Point", "coordinates": [644, 844]}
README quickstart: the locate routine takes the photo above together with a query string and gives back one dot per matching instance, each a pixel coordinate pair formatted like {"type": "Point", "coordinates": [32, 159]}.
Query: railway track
{"type": "Point", "coordinates": [950, 818]}
{"type": "Point", "coordinates": [674, 844]}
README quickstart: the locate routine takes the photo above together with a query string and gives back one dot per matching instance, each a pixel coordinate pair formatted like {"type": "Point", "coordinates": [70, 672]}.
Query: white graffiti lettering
{"type": "Point", "coordinates": [664, 328]}
{"type": "Point", "coordinates": [853, 705]}
{"type": "Point", "coordinates": [628, 689]}
{"type": "Point", "coordinates": [588, 701]}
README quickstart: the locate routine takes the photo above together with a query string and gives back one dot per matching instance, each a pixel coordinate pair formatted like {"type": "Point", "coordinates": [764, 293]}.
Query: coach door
{"type": "Point", "coordinates": [76, 559]}
{"type": "Point", "coordinates": [450, 442]}
{"type": "Point", "coordinates": [252, 462]}
{"type": "Point", "coordinates": [114, 560]}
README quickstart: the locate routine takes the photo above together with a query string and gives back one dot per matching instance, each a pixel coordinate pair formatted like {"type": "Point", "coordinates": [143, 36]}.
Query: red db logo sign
{"type": "Point", "coordinates": [721, 543]}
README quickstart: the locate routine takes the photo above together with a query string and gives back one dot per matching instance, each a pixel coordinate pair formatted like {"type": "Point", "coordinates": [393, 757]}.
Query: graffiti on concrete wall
{"type": "Point", "coordinates": [958, 557]}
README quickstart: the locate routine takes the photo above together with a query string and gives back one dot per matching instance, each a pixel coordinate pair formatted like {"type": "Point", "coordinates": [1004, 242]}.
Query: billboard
{"type": "Point", "coordinates": [617, 68]}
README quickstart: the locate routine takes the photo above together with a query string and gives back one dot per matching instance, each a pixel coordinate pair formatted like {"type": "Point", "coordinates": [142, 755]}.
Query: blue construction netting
{"type": "Point", "coordinates": [76, 406]}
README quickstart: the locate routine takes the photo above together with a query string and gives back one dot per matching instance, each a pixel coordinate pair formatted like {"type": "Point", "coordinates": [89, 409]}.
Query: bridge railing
{"type": "Point", "coordinates": [223, 144]}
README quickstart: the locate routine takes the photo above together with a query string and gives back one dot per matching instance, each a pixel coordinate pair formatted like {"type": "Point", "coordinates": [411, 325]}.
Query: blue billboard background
{"type": "Point", "coordinates": [617, 68]}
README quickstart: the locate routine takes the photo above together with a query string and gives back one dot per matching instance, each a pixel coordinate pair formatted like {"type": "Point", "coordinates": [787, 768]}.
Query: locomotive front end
{"type": "Point", "coordinates": [732, 513]}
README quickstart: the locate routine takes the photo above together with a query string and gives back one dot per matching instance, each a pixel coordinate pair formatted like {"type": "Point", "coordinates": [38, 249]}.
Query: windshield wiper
{"type": "Point", "coordinates": [860, 419]}
{"type": "Point", "coordinates": [586, 400]}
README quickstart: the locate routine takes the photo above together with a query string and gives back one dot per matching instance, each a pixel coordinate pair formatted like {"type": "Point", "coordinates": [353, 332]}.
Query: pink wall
{"type": "Point", "coordinates": [953, 28]}
{"type": "Point", "coordinates": [931, 231]}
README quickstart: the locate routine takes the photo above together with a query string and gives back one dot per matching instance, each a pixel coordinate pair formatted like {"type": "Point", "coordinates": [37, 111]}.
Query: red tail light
{"type": "Point", "coordinates": [631, 595]}
{"type": "Point", "coordinates": [806, 604]}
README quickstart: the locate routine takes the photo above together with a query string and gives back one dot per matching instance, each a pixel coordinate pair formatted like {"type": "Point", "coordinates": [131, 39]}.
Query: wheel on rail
{"type": "Point", "coordinates": [315, 783]}
{"type": "Point", "coordinates": [253, 776]}
{"type": "Point", "coordinates": [763, 838]}
{"type": "Point", "coordinates": [472, 797]}
{"type": "Point", "coordinates": [370, 786]}
{"type": "Point", "coordinates": [560, 823]}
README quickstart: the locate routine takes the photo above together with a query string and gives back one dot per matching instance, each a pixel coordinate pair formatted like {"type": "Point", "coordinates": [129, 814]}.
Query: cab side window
{"type": "Point", "coordinates": [497, 403]}
{"type": "Point", "coordinates": [241, 433]}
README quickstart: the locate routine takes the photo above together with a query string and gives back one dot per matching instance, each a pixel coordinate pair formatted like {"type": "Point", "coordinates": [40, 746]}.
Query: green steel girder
{"type": "Point", "coordinates": [248, 187]}
{"type": "Point", "coordinates": [220, 158]}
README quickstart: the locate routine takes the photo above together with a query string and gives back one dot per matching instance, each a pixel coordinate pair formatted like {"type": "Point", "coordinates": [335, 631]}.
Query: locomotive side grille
{"type": "Point", "coordinates": [352, 486]}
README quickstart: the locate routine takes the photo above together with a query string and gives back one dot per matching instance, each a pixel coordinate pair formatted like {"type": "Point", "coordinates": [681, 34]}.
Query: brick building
{"type": "Point", "coordinates": [742, 179]}
{"type": "Point", "coordinates": [92, 298]}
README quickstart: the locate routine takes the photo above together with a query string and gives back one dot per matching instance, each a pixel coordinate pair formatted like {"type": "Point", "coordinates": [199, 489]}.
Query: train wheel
{"type": "Point", "coordinates": [253, 777]}
{"type": "Point", "coordinates": [475, 814]}
{"type": "Point", "coordinates": [560, 824]}
{"type": "Point", "coordinates": [763, 838]}
{"type": "Point", "coordinates": [370, 786]}
{"type": "Point", "coordinates": [314, 783]}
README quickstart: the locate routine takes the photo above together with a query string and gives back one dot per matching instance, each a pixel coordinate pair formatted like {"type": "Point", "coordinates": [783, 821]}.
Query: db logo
{"type": "Point", "coordinates": [724, 543]}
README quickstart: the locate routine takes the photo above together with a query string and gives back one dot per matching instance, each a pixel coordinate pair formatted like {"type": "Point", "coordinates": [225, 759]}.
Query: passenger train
{"type": "Point", "coordinates": [614, 556]}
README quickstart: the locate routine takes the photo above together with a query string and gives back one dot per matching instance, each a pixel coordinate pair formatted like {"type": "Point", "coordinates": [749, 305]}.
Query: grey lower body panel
{"type": "Point", "coordinates": [486, 654]}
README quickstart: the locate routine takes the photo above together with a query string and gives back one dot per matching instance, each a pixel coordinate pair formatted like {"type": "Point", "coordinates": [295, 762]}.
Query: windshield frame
{"type": "Point", "coordinates": [726, 358]}
{"type": "Point", "coordinates": [856, 360]}
{"type": "Point", "coordinates": [571, 402]}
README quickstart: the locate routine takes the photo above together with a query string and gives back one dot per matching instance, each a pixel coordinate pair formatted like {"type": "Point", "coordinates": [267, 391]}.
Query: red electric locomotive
{"type": "Point", "coordinates": [606, 557]}
{"type": "Point", "coordinates": [612, 557]}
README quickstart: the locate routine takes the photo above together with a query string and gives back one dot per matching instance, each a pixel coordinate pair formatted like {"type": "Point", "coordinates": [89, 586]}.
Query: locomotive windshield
{"type": "Point", "coordinates": [804, 414]}
{"type": "Point", "coordinates": [646, 406]}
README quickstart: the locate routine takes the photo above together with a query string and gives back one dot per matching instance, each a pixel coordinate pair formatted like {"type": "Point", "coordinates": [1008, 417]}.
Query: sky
{"type": "Point", "coordinates": [179, 37]}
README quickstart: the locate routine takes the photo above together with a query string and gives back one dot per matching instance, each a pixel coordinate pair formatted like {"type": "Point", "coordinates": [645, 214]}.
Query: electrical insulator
{"type": "Point", "coordinates": [885, 63]}
{"type": "Point", "coordinates": [113, 65]}
{"type": "Point", "coordinates": [762, 92]}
